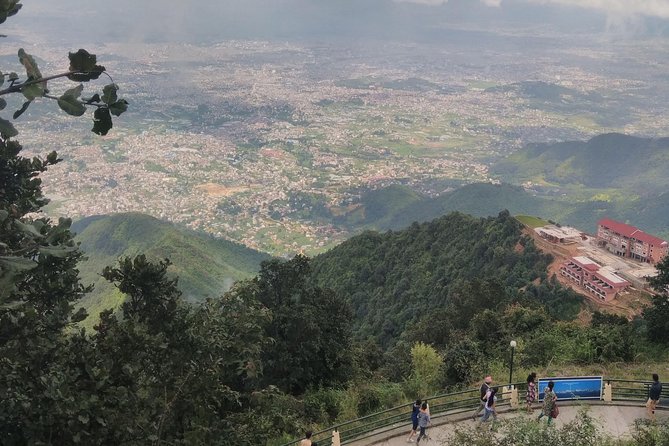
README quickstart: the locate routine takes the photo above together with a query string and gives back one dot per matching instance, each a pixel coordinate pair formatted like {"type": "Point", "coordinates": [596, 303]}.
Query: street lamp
{"type": "Point", "coordinates": [512, 344]}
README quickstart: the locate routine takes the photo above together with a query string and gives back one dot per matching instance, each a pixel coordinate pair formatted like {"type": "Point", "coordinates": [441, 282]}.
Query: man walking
{"type": "Point", "coordinates": [485, 392]}
{"type": "Point", "coordinates": [654, 393]}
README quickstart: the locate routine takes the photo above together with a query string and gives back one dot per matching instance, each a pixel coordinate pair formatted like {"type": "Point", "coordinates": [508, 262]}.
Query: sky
{"type": "Point", "coordinates": [183, 20]}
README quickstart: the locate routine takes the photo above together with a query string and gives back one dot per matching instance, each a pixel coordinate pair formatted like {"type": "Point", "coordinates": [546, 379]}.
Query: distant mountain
{"type": "Point", "coordinates": [206, 266]}
{"type": "Point", "coordinates": [613, 160]}
{"type": "Point", "coordinates": [650, 213]}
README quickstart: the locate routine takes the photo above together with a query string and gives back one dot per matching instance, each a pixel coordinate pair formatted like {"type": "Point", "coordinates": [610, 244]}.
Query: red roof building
{"type": "Point", "coordinates": [629, 241]}
{"type": "Point", "coordinates": [600, 282]}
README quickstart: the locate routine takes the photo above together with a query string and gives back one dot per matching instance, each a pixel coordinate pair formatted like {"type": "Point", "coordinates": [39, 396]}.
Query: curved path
{"type": "Point", "coordinates": [614, 419]}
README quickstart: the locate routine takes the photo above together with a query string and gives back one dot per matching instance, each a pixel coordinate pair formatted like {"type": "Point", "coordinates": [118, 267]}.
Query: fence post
{"type": "Point", "coordinates": [608, 392]}
{"type": "Point", "coordinates": [336, 440]}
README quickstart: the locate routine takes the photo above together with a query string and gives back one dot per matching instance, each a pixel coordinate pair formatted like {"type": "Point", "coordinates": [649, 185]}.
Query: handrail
{"type": "Point", "coordinates": [398, 414]}
{"type": "Point", "coordinates": [453, 403]}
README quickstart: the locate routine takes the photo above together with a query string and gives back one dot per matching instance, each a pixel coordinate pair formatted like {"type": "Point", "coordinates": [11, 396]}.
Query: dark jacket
{"type": "Point", "coordinates": [485, 387]}
{"type": "Point", "coordinates": [655, 391]}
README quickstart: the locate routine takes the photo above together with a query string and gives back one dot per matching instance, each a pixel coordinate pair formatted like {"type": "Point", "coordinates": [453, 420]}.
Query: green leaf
{"type": "Point", "coordinates": [52, 158]}
{"type": "Point", "coordinates": [57, 251]}
{"type": "Point", "coordinates": [3, 104]}
{"type": "Point", "coordinates": [75, 92]}
{"type": "Point", "coordinates": [85, 66]}
{"type": "Point", "coordinates": [16, 264]}
{"type": "Point", "coordinates": [23, 108]}
{"type": "Point", "coordinates": [71, 105]}
{"type": "Point", "coordinates": [33, 91]}
{"type": "Point", "coordinates": [118, 107]}
{"type": "Point", "coordinates": [28, 61]}
{"type": "Point", "coordinates": [79, 316]}
{"type": "Point", "coordinates": [109, 94]}
{"type": "Point", "coordinates": [102, 121]}
{"type": "Point", "coordinates": [8, 8]}
{"type": "Point", "coordinates": [27, 228]}
{"type": "Point", "coordinates": [3, 215]}
{"type": "Point", "coordinates": [7, 129]}
{"type": "Point", "coordinates": [92, 99]}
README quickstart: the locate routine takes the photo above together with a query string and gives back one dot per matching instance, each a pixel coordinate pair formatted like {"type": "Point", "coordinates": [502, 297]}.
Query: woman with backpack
{"type": "Point", "coordinates": [550, 406]}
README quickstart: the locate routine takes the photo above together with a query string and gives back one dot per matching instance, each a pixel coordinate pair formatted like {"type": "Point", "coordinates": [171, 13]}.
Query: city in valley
{"type": "Point", "coordinates": [262, 142]}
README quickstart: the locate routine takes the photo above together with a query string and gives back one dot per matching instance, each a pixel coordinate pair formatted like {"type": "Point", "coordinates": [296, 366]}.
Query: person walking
{"type": "Point", "coordinates": [654, 393]}
{"type": "Point", "coordinates": [415, 410]}
{"type": "Point", "coordinates": [531, 395]}
{"type": "Point", "coordinates": [307, 439]}
{"type": "Point", "coordinates": [550, 399]}
{"type": "Point", "coordinates": [484, 392]}
{"type": "Point", "coordinates": [423, 422]}
{"type": "Point", "coordinates": [489, 408]}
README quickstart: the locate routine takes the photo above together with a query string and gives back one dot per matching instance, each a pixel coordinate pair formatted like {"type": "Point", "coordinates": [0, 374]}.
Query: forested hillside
{"type": "Point", "coordinates": [484, 199]}
{"type": "Point", "coordinates": [606, 161]}
{"type": "Point", "coordinates": [206, 266]}
{"type": "Point", "coordinates": [398, 279]}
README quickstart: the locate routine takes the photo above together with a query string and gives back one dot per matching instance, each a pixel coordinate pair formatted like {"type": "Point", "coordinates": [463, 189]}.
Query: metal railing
{"type": "Point", "coordinates": [456, 404]}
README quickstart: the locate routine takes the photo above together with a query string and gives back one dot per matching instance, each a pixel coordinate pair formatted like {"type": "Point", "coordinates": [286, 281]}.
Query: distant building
{"type": "Point", "coordinates": [629, 241]}
{"type": "Point", "coordinates": [559, 234]}
{"type": "Point", "coordinates": [601, 282]}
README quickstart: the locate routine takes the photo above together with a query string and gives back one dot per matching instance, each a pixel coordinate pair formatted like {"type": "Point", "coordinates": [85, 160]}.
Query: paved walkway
{"type": "Point", "coordinates": [613, 419]}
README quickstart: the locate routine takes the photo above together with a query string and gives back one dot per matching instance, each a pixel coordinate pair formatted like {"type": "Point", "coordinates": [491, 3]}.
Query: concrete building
{"type": "Point", "coordinates": [596, 280]}
{"type": "Point", "coordinates": [559, 234]}
{"type": "Point", "coordinates": [629, 241]}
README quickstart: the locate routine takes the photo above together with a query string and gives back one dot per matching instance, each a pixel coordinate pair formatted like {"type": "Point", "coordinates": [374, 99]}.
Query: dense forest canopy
{"type": "Point", "coordinates": [397, 278]}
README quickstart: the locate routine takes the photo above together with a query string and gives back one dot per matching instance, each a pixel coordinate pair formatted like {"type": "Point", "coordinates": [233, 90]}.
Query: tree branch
{"type": "Point", "coordinates": [16, 88]}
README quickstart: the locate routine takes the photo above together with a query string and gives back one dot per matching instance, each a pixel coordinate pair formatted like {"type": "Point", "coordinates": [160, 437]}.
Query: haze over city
{"type": "Point", "coordinates": [248, 114]}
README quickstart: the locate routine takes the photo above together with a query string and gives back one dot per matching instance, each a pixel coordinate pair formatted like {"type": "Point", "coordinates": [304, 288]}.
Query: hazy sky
{"type": "Point", "coordinates": [174, 20]}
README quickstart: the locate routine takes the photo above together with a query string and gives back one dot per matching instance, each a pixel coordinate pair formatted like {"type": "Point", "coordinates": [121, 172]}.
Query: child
{"type": "Point", "coordinates": [423, 422]}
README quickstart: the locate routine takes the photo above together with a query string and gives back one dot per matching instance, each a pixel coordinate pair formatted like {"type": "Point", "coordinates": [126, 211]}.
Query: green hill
{"type": "Point", "coordinates": [206, 266]}
{"type": "Point", "coordinates": [402, 277]}
{"type": "Point", "coordinates": [612, 161]}
{"type": "Point", "coordinates": [484, 199]}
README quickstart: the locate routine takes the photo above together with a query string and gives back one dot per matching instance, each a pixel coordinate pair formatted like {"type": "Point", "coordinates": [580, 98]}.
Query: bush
{"type": "Point", "coordinates": [527, 432]}
{"type": "Point", "coordinates": [322, 405]}
{"type": "Point", "coordinates": [647, 433]}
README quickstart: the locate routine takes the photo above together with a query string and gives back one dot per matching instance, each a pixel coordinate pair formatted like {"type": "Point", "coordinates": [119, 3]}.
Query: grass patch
{"type": "Point", "coordinates": [532, 222]}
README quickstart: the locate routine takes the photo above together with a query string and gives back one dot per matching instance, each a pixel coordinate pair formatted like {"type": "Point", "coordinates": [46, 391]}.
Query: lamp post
{"type": "Point", "coordinates": [512, 344]}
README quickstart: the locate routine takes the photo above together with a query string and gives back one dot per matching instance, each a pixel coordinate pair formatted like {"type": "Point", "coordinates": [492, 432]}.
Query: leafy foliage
{"type": "Point", "coordinates": [523, 432]}
{"type": "Point", "coordinates": [395, 278]}
{"type": "Point", "coordinates": [310, 327]}
{"type": "Point", "coordinates": [83, 68]}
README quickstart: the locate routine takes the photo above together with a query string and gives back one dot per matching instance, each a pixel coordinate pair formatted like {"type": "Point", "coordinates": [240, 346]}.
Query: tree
{"type": "Point", "coordinates": [426, 364]}
{"type": "Point", "coordinates": [152, 298]}
{"type": "Point", "coordinates": [310, 327]}
{"type": "Point", "coordinates": [656, 315]}
{"type": "Point", "coordinates": [39, 282]}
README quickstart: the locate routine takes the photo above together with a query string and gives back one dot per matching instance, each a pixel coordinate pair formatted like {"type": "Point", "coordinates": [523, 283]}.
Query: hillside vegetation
{"type": "Point", "coordinates": [606, 161]}
{"type": "Point", "coordinates": [399, 278]}
{"type": "Point", "coordinates": [206, 266]}
{"type": "Point", "coordinates": [650, 213]}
